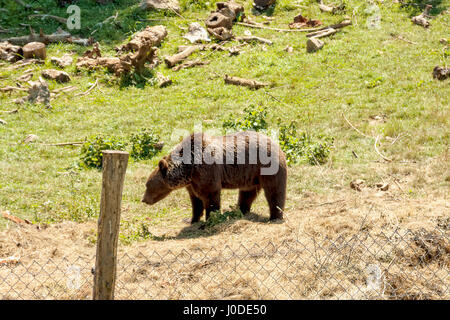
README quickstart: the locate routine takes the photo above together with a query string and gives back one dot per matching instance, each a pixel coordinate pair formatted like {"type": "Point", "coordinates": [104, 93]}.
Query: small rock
{"type": "Point", "coordinates": [196, 33]}
{"type": "Point", "coordinates": [64, 61]}
{"type": "Point", "coordinates": [30, 138]}
{"type": "Point", "coordinates": [159, 145]}
{"type": "Point", "coordinates": [441, 73]}
{"type": "Point", "coordinates": [443, 41]}
{"type": "Point", "coordinates": [289, 49]}
{"type": "Point", "coordinates": [37, 93]}
{"type": "Point", "coordinates": [59, 76]}
{"type": "Point", "coordinates": [357, 184]}
{"type": "Point", "coordinates": [163, 81]}
{"type": "Point", "coordinates": [382, 186]}
{"type": "Point", "coordinates": [314, 44]}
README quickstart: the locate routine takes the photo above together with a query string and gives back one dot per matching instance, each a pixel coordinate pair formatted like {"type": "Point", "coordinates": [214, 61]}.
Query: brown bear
{"type": "Point", "coordinates": [204, 165]}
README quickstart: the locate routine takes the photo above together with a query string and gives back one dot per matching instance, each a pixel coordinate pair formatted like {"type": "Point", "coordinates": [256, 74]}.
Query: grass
{"type": "Point", "coordinates": [360, 72]}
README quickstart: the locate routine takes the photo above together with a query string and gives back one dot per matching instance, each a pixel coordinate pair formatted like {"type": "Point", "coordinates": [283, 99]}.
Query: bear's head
{"type": "Point", "coordinates": [163, 180]}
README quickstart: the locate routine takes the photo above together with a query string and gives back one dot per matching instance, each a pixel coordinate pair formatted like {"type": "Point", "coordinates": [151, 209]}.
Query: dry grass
{"type": "Point", "coordinates": [329, 247]}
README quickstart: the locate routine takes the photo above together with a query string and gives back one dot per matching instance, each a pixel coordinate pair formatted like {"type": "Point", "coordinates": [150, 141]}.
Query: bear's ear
{"type": "Point", "coordinates": [163, 166]}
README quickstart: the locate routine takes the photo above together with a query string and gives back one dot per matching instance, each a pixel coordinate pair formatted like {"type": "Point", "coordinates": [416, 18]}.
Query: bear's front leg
{"type": "Point", "coordinates": [197, 206]}
{"type": "Point", "coordinates": [211, 202]}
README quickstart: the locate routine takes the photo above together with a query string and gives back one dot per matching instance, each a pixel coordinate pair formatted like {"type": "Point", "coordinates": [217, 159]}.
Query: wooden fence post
{"type": "Point", "coordinates": [114, 168]}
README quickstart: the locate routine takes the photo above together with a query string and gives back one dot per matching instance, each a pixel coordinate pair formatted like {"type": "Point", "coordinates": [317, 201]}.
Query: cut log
{"type": "Point", "coordinates": [160, 5]}
{"type": "Point", "coordinates": [177, 58]}
{"type": "Point", "coordinates": [252, 84]}
{"type": "Point", "coordinates": [163, 81]}
{"type": "Point", "coordinates": [254, 39]}
{"type": "Point", "coordinates": [44, 16]}
{"type": "Point", "coordinates": [34, 50]}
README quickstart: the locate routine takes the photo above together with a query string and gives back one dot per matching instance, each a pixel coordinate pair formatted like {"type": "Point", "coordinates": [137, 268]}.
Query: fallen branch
{"type": "Point", "coordinates": [259, 26]}
{"type": "Point", "coordinates": [10, 111]}
{"type": "Point", "coordinates": [22, 3]}
{"type": "Point", "coordinates": [65, 89]}
{"type": "Point", "coordinates": [58, 36]}
{"type": "Point", "coordinates": [43, 16]}
{"type": "Point", "coordinates": [252, 84]}
{"type": "Point", "coordinates": [62, 144]}
{"type": "Point", "coordinates": [23, 63]}
{"type": "Point", "coordinates": [88, 90]}
{"type": "Point", "coordinates": [322, 33]}
{"type": "Point", "coordinates": [10, 88]}
{"type": "Point", "coordinates": [403, 39]}
{"type": "Point", "coordinates": [190, 64]}
{"type": "Point", "coordinates": [177, 58]}
{"type": "Point", "coordinates": [379, 153]}
{"type": "Point", "coordinates": [365, 135]}
{"type": "Point", "coordinates": [6, 215]}
{"type": "Point", "coordinates": [254, 39]}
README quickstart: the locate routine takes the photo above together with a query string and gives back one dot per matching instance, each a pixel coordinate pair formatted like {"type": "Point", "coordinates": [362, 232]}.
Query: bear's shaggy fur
{"type": "Point", "coordinates": [239, 163]}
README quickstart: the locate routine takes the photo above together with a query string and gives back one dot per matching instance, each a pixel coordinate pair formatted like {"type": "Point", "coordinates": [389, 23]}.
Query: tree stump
{"type": "Point", "coordinates": [34, 50]}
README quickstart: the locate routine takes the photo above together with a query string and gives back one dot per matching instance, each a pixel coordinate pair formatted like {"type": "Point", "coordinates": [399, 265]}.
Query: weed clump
{"type": "Point", "coordinates": [254, 119]}
{"type": "Point", "coordinates": [217, 217]}
{"type": "Point", "coordinates": [298, 147]}
{"type": "Point", "coordinates": [144, 145]}
{"type": "Point", "coordinates": [91, 151]}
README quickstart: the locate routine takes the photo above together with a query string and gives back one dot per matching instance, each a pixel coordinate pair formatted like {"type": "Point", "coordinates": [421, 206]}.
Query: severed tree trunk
{"type": "Point", "coordinates": [34, 50]}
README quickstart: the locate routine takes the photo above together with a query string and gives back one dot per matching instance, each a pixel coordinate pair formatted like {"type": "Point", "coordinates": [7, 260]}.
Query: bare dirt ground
{"type": "Point", "coordinates": [345, 245]}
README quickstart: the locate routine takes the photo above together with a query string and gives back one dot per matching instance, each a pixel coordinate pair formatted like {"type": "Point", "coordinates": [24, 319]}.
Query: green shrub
{"type": "Point", "coordinates": [217, 217]}
{"type": "Point", "coordinates": [254, 119]}
{"type": "Point", "coordinates": [91, 151]}
{"type": "Point", "coordinates": [144, 145]}
{"type": "Point", "coordinates": [298, 147]}
{"type": "Point", "coordinates": [197, 4]}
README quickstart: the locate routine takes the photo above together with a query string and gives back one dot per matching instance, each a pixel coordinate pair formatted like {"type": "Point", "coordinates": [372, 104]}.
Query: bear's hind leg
{"type": "Point", "coordinates": [276, 199]}
{"type": "Point", "coordinates": [197, 207]}
{"type": "Point", "coordinates": [246, 199]}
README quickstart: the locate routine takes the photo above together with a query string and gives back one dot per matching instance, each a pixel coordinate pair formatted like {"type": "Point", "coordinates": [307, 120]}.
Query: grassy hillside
{"type": "Point", "coordinates": [361, 72]}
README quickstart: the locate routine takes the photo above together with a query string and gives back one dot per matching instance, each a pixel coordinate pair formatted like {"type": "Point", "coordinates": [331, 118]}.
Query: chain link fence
{"type": "Point", "coordinates": [403, 264]}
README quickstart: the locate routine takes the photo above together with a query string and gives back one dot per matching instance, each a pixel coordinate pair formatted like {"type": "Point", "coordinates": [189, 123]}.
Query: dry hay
{"type": "Point", "coordinates": [347, 245]}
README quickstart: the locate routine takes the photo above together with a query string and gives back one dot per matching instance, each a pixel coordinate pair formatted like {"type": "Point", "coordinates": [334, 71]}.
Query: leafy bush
{"type": "Point", "coordinates": [254, 119]}
{"type": "Point", "coordinates": [217, 217]}
{"type": "Point", "coordinates": [197, 4]}
{"type": "Point", "coordinates": [303, 147]}
{"type": "Point", "coordinates": [91, 151]}
{"type": "Point", "coordinates": [134, 230]}
{"type": "Point", "coordinates": [144, 145]}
